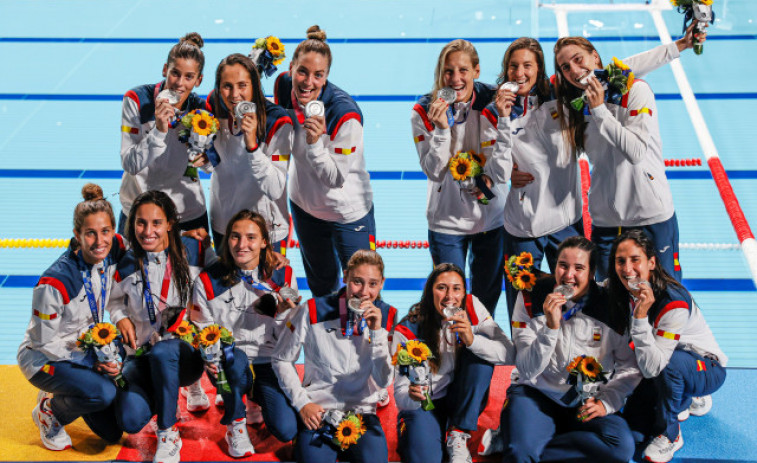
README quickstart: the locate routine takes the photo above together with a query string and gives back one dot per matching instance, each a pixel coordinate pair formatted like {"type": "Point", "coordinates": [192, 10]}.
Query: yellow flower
{"type": "Point", "coordinates": [620, 64]}
{"type": "Point", "coordinates": [203, 124]}
{"type": "Point", "coordinates": [460, 168]}
{"type": "Point", "coordinates": [347, 433]}
{"type": "Point", "coordinates": [274, 45]}
{"type": "Point", "coordinates": [525, 279]}
{"type": "Point", "coordinates": [394, 357]}
{"type": "Point", "coordinates": [590, 368]}
{"type": "Point", "coordinates": [276, 62]}
{"type": "Point", "coordinates": [184, 328]}
{"type": "Point", "coordinates": [104, 333]}
{"type": "Point", "coordinates": [574, 364]}
{"type": "Point", "coordinates": [479, 158]}
{"type": "Point", "coordinates": [510, 278]}
{"type": "Point", "coordinates": [631, 78]}
{"type": "Point", "coordinates": [525, 259]}
{"type": "Point", "coordinates": [418, 350]}
{"type": "Point", "coordinates": [705, 2]}
{"type": "Point", "coordinates": [209, 335]}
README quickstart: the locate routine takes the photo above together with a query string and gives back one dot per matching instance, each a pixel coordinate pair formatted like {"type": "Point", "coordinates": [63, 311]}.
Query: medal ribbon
{"type": "Point", "coordinates": [255, 285]}
{"type": "Point", "coordinates": [88, 287]}
{"type": "Point", "coordinates": [163, 290]}
{"type": "Point", "coordinates": [347, 321]}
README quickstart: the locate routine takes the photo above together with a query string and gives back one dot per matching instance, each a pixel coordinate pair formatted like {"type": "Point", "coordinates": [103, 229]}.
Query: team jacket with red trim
{"type": "Point", "coordinates": [340, 372]}
{"type": "Point", "coordinates": [61, 312]}
{"type": "Point", "coordinates": [153, 160]}
{"type": "Point", "coordinates": [542, 354]}
{"type": "Point", "coordinates": [127, 298]}
{"type": "Point", "coordinates": [448, 208]}
{"type": "Point", "coordinates": [234, 307]}
{"type": "Point", "coordinates": [255, 181]}
{"type": "Point", "coordinates": [628, 182]}
{"type": "Point", "coordinates": [674, 322]}
{"type": "Point", "coordinates": [489, 342]}
{"type": "Point", "coordinates": [328, 179]}
{"type": "Point", "coordinates": [552, 201]}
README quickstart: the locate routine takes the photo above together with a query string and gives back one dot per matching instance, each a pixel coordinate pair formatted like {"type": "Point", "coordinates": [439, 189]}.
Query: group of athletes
{"type": "Point", "coordinates": [154, 267]}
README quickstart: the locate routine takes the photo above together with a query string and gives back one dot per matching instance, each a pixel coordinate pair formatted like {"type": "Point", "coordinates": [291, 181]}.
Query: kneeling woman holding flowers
{"type": "Point", "coordinates": [347, 364]}
{"type": "Point", "coordinates": [453, 335]}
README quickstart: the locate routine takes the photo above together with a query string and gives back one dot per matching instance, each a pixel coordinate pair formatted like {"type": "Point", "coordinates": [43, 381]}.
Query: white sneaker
{"type": "Point", "coordinates": [684, 415]}
{"type": "Point", "coordinates": [661, 450]}
{"type": "Point", "coordinates": [457, 447]}
{"type": "Point", "coordinates": [254, 413]}
{"type": "Point", "coordinates": [169, 446]}
{"type": "Point", "coordinates": [238, 440]}
{"type": "Point", "coordinates": [491, 442]}
{"type": "Point", "coordinates": [383, 398]}
{"type": "Point", "coordinates": [700, 406]}
{"type": "Point", "coordinates": [197, 399]}
{"type": "Point", "coordinates": [219, 400]}
{"type": "Point", "coordinates": [52, 433]}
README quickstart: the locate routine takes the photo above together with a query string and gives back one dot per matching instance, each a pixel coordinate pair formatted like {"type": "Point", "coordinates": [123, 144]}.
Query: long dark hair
{"type": "Point", "coordinates": [424, 313]}
{"type": "Point", "coordinates": [659, 279]}
{"type": "Point", "coordinates": [267, 260]}
{"type": "Point", "coordinates": [176, 252]}
{"type": "Point", "coordinates": [257, 90]}
{"type": "Point", "coordinates": [543, 91]}
{"type": "Point", "coordinates": [582, 243]}
{"type": "Point", "coordinates": [565, 92]}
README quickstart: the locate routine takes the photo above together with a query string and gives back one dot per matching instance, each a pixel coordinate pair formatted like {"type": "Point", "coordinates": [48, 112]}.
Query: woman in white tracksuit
{"type": "Point", "coordinates": [457, 221]}
{"type": "Point", "coordinates": [70, 297]}
{"type": "Point", "coordinates": [152, 156]}
{"type": "Point", "coordinates": [347, 362]}
{"type": "Point", "coordinates": [254, 152]}
{"type": "Point", "coordinates": [629, 187]}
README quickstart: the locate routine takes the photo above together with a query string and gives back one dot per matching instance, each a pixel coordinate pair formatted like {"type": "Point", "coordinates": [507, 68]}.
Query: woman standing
{"type": "Point", "coordinates": [329, 187]}
{"type": "Point", "coordinates": [675, 349]}
{"type": "Point", "coordinates": [347, 364]}
{"type": "Point", "coordinates": [152, 156]}
{"type": "Point", "coordinates": [70, 296]}
{"type": "Point", "coordinates": [462, 345]}
{"type": "Point", "coordinates": [155, 275]}
{"type": "Point", "coordinates": [240, 292]}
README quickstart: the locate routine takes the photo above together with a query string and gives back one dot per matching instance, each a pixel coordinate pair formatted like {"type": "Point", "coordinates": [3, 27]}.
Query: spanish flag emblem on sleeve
{"type": "Point", "coordinates": [290, 326]}
{"type": "Point", "coordinates": [701, 366]}
{"type": "Point", "coordinates": [515, 324]}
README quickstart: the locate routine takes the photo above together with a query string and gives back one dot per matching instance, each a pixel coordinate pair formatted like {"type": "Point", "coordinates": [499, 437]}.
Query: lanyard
{"type": "Point", "coordinates": [297, 111]}
{"type": "Point", "coordinates": [250, 281]}
{"type": "Point", "coordinates": [347, 321]}
{"type": "Point", "coordinates": [573, 310]}
{"type": "Point", "coordinates": [163, 290]}
{"type": "Point", "coordinates": [88, 287]}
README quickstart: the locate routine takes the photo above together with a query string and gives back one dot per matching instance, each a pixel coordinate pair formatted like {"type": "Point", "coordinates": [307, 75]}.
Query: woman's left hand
{"type": "Point", "coordinates": [372, 314]}
{"type": "Point", "coordinates": [595, 93]}
{"type": "Point", "coordinates": [314, 126]}
{"type": "Point", "coordinates": [200, 234]}
{"type": "Point", "coordinates": [249, 127]}
{"type": "Point", "coordinates": [504, 102]}
{"type": "Point", "coordinates": [212, 369]}
{"type": "Point", "coordinates": [111, 369]}
{"type": "Point", "coordinates": [644, 300]}
{"type": "Point", "coordinates": [593, 408]}
{"type": "Point", "coordinates": [279, 260]}
{"type": "Point", "coordinates": [286, 304]}
{"type": "Point", "coordinates": [200, 160]}
{"type": "Point", "coordinates": [475, 192]}
{"type": "Point", "coordinates": [461, 326]}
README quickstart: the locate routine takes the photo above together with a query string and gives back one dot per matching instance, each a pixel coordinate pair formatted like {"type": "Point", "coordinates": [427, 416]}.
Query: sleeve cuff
{"type": "Point", "coordinates": [441, 132]}
{"type": "Point", "coordinates": [600, 111]}
{"type": "Point", "coordinates": [379, 338]}
{"type": "Point", "coordinates": [158, 135]}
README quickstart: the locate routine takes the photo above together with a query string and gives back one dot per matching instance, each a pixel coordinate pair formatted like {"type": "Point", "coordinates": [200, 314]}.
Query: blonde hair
{"type": "Point", "coordinates": [455, 45]}
{"type": "Point", "coordinates": [365, 257]}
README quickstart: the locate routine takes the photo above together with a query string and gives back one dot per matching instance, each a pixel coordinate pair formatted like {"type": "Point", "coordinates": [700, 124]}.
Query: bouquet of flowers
{"type": "Point", "coordinates": [339, 429]}
{"type": "Point", "coordinates": [701, 10]}
{"type": "Point", "coordinates": [102, 340]}
{"type": "Point", "coordinates": [211, 341]}
{"type": "Point", "coordinates": [198, 129]}
{"type": "Point", "coordinates": [520, 271]}
{"type": "Point", "coordinates": [585, 373]}
{"type": "Point", "coordinates": [412, 357]}
{"type": "Point", "coordinates": [267, 53]}
{"type": "Point", "coordinates": [617, 79]}
{"type": "Point", "coordinates": [185, 331]}
{"type": "Point", "coordinates": [466, 168]}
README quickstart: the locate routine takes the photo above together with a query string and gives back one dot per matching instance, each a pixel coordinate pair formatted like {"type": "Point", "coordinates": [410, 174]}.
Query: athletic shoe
{"type": "Point", "coordinates": [52, 433]}
{"type": "Point", "coordinates": [457, 447]}
{"type": "Point", "coordinates": [684, 415]}
{"type": "Point", "coordinates": [700, 406]}
{"type": "Point", "coordinates": [238, 440]}
{"type": "Point", "coordinates": [197, 400]}
{"type": "Point", "coordinates": [219, 400]}
{"type": "Point", "coordinates": [491, 442]}
{"type": "Point", "coordinates": [661, 450]}
{"type": "Point", "coordinates": [169, 446]}
{"type": "Point", "coordinates": [254, 413]}
{"type": "Point", "coordinates": [383, 398]}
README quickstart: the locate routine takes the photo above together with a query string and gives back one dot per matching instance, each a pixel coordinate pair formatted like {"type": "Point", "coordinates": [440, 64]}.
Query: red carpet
{"type": "Point", "coordinates": [203, 435]}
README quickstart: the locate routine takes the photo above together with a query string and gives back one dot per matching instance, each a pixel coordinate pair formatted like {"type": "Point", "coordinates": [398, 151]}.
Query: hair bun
{"type": "Point", "coordinates": [91, 192]}
{"type": "Point", "coordinates": [315, 33]}
{"type": "Point", "coordinates": [194, 38]}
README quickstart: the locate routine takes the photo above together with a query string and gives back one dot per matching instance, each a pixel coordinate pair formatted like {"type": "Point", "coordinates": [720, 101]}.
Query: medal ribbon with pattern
{"type": "Point", "coordinates": [96, 311]}
{"type": "Point", "coordinates": [149, 303]}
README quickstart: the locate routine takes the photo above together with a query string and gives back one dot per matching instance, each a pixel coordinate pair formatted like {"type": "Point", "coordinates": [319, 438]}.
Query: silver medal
{"type": "Point", "coordinates": [314, 108]}
{"type": "Point", "coordinates": [636, 282]}
{"type": "Point", "coordinates": [354, 304]}
{"type": "Point", "coordinates": [242, 108]}
{"type": "Point", "coordinates": [448, 94]}
{"type": "Point", "coordinates": [565, 290]}
{"type": "Point", "coordinates": [450, 311]}
{"type": "Point", "coordinates": [172, 96]}
{"type": "Point", "coordinates": [511, 86]}
{"type": "Point", "coordinates": [288, 292]}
